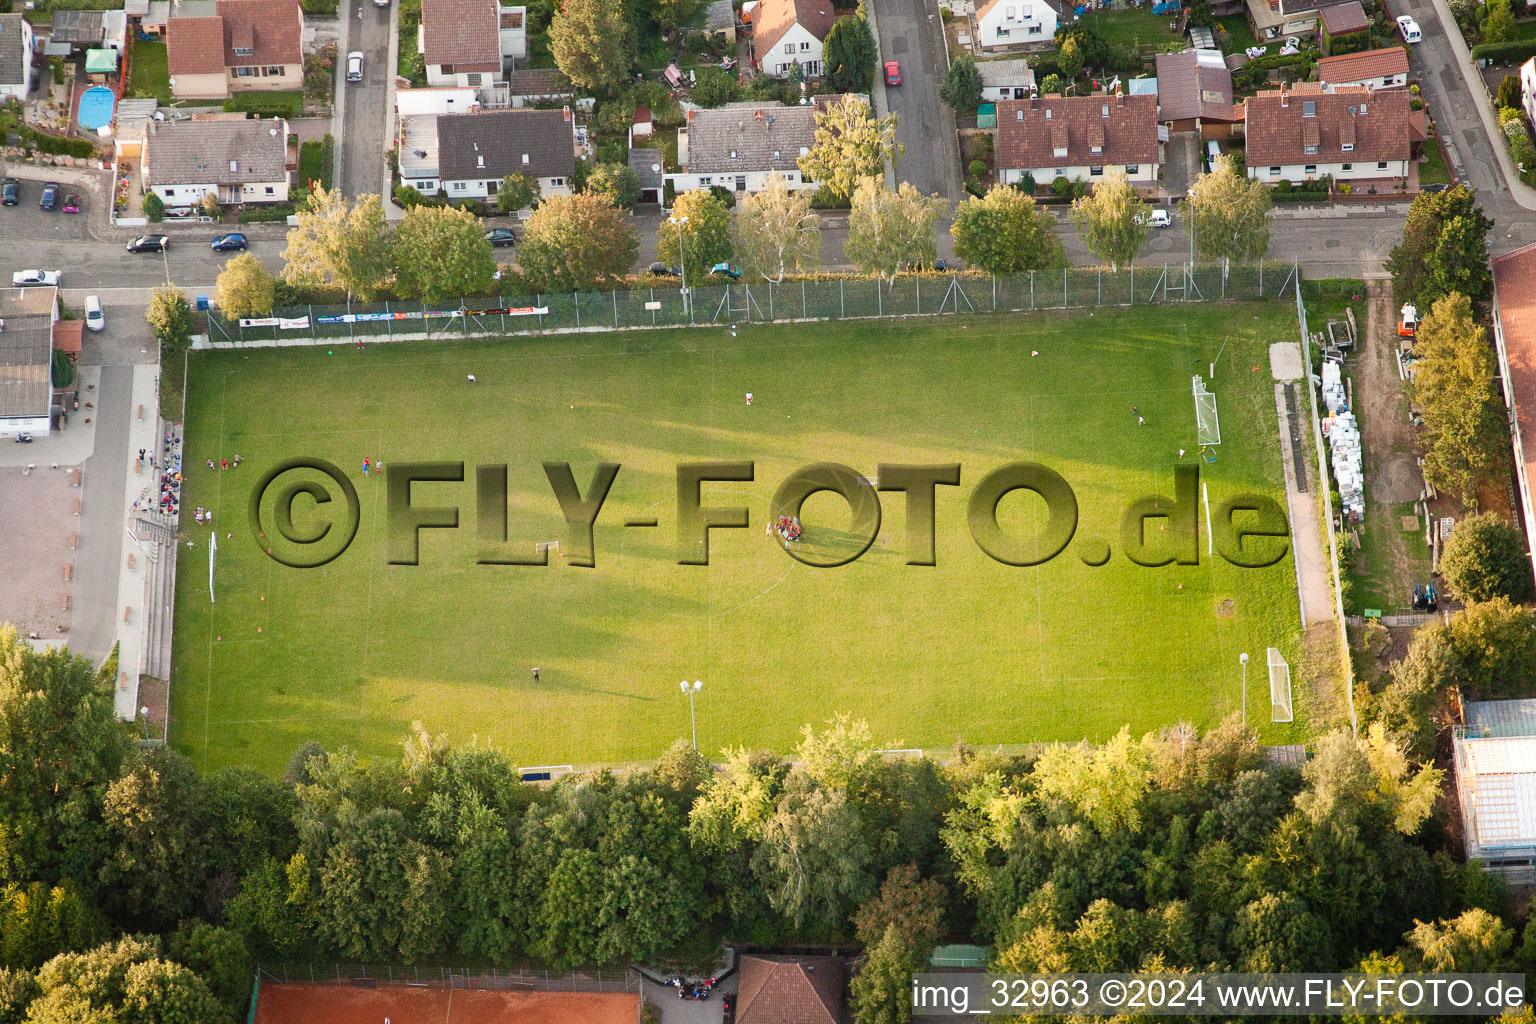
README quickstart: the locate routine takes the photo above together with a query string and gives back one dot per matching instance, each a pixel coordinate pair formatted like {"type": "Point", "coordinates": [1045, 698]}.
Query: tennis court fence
{"type": "Point", "coordinates": [441, 976]}
{"type": "Point", "coordinates": [838, 298]}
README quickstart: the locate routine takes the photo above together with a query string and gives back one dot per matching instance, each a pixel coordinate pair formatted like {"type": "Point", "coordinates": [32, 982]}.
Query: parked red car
{"type": "Point", "coordinates": [892, 72]}
{"type": "Point", "coordinates": [72, 203]}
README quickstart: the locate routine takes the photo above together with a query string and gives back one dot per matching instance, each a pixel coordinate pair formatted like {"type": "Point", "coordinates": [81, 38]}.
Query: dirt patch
{"type": "Point", "coordinates": [38, 510]}
{"type": "Point", "coordinates": [1321, 672]}
{"type": "Point", "coordinates": [1398, 479]}
{"type": "Point", "coordinates": [1226, 609]}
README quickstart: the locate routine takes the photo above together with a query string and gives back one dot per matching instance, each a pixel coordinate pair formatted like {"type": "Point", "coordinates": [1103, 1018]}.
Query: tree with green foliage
{"type": "Point", "coordinates": [573, 243]}
{"type": "Point", "coordinates": [218, 956]}
{"type": "Point", "coordinates": [1005, 232]}
{"type": "Point", "coordinates": [703, 241]}
{"type": "Point", "coordinates": [38, 923]}
{"type": "Point", "coordinates": [672, 15]}
{"type": "Point", "coordinates": [1051, 85]}
{"type": "Point", "coordinates": [1473, 942]}
{"type": "Point", "coordinates": [962, 86]}
{"type": "Point", "coordinates": [593, 44]}
{"type": "Point", "coordinates": [1509, 90]}
{"type": "Point", "coordinates": [848, 55]}
{"type": "Point", "coordinates": [159, 843]}
{"type": "Point", "coordinates": [439, 253]}
{"type": "Point", "coordinates": [126, 982]}
{"type": "Point", "coordinates": [1112, 221]}
{"type": "Point", "coordinates": [1487, 557]}
{"type": "Point", "coordinates": [517, 192]}
{"type": "Point", "coordinates": [1228, 214]}
{"type": "Point", "coordinates": [60, 746]}
{"type": "Point", "coordinates": [1444, 249]}
{"type": "Point", "coordinates": [889, 231]}
{"type": "Point", "coordinates": [1104, 784]}
{"type": "Point", "coordinates": [153, 207]}
{"type": "Point", "coordinates": [18, 989]}
{"type": "Point", "coordinates": [913, 905]}
{"type": "Point", "coordinates": [62, 372]}
{"type": "Point", "coordinates": [814, 858]}
{"type": "Point", "coordinates": [881, 991]}
{"type": "Point", "coordinates": [1200, 13]}
{"type": "Point", "coordinates": [617, 182]}
{"type": "Point", "coordinates": [1499, 23]}
{"type": "Point", "coordinates": [380, 892]}
{"type": "Point", "coordinates": [1465, 438]}
{"type": "Point", "coordinates": [1070, 59]}
{"type": "Point", "coordinates": [775, 231]}
{"type": "Point", "coordinates": [850, 143]}
{"type": "Point", "coordinates": [169, 316]}
{"type": "Point", "coordinates": [245, 288]}
{"type": "Point", "coordinates": [715, 87]}
{"type": "Point", "coordinates": [338, 242]}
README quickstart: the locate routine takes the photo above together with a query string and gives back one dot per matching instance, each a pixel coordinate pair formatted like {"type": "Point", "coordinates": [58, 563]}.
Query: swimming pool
{"type": "Point", "coordinates": [96, 105]}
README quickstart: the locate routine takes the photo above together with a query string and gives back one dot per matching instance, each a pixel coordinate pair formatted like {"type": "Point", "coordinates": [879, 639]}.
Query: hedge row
{"type": "Point", "coordinates": [1513, 51]}
{"type": "Point", "coordinates": [56, 146]}
{"type": "Point", "coordinates": [1253, 74]}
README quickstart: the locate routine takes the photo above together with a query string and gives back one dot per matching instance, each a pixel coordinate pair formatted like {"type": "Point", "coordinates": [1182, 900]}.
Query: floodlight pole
{"type": "Point", "coordinates": [1243, 658]}
{"type": "Point", "coordinates": [682, 263]}
{"type": "Point", "coordinates": [693, 716]}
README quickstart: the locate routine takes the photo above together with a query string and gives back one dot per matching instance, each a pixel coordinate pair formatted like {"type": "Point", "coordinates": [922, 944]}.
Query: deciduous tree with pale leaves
{"type": "Point", "coordinates": [888, 231]}
{"type": "Point", "coordinates": [776, 231]}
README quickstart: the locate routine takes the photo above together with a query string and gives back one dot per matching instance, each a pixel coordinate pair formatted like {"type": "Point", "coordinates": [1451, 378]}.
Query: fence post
{"type": "Point", "coordinates": [1100, 300]}
{"type": "Point", "coordinates": [1133, 286]}
{"type": "Point", "coordinates": [879, 299]}
{"type": "Point", "coordinates": [577, 303]}
{"type": "Point", "coordinates": [1031, 289]}
{"type": "Point", "coordinates": [918, 281]}
{"type": "Point", "coordinates": [994, 293]}
{"type": "Point", "coordinates": [351, 327]}
{"type": "Point", "coordinates": [615, 295]}
{"type": "Point", "coordinates": [313, 327]}
{"type": "Point", "coordinates": [842, 302]}
{"type": "Point", "coordinates": [1261, 277]}
{"type": "Point", "coordinates": [770, 300]}
{"type": "Point", "coordinates": [1063, 287]}
{"type": "Point", "coordinates": [803, 314]}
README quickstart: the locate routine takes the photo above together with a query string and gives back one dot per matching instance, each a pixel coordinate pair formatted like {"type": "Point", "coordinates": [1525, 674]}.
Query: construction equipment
{"type": "Point", "coordinates": [1409, 324]}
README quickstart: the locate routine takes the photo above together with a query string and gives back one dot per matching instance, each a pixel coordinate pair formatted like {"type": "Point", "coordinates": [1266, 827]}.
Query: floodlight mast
{"type": "Point", "coordinates": [1243, 660]}
{"type": "Point", "coordinates": [690, 689]}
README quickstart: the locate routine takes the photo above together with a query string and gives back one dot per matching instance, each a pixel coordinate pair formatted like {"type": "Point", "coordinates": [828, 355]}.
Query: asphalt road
{"type": "Point", "coordinates": [362, 130]}
{"type": "Point", "coordinates": [909, 34]}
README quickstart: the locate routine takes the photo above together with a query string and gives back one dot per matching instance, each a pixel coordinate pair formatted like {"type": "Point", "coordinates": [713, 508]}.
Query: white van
{"type": "Point", "coordinates": [1409, 29]}
{"type": "Point", "coordinates": [1212, 152]}
{"type": "Point", "coordinates": [94, 321]}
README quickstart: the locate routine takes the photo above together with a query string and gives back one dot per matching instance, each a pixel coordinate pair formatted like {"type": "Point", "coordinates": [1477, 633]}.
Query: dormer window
{"type": "Point", "coordinates": [244, 51]}
{"type": "Point", "coordinates": [1309, 108]}
{"type": "Point", "coordinates": [1309, 150]}
{"type": "Point", "coordinates": [1059, 151]}
{"type": "Point", "coordinates": [1348, 147]}
{"type": "Point", "coordinates": [1047, 113]}
{"type": "Point", "coordinates": [1104, 110]}
{"type": "Point", "coordinates": [733, 154]}
{"type": "Point", "coordinates": [1096, 149]}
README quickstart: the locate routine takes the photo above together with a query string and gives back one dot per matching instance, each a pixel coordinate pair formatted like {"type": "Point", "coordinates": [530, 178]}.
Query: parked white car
{"type": "Point", "coordinates": [23, 278]}
{"type": "Point", "coordinates": [94, 320]}
{"type": "Point", "coordinates": [1409, 29]}
{"type": "Point", "coordinates": [355, 66]}
{"type": "Point", "coordinates": [1160, 218]}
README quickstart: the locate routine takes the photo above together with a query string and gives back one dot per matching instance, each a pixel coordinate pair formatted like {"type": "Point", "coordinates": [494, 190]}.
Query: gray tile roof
{"type": "Point", "coordinates": [764, 136]}
{"type": "Point", "coordinates": [641, 161]}
{"type": "Point", "coordinates": [493, 144]}
{"type": "Point", "coordinates": [202, 152]}
{"type": "Point", "coordinates": [1194, 83]}
{"type": "Point", "coordinates": [719, 17]}
{"type": "Point", "coordinates": [1005, 74]}
{"type": "Point", "coordinates": [26, 351]}
{"type": "Point", "coordinates": [12, 55]}
{"type": "Point", "coordinates": [538, 82]}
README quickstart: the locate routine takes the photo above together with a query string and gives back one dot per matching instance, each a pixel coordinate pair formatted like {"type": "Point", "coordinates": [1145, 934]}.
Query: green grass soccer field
{"type": "Point", "coordinates": [351, 653]}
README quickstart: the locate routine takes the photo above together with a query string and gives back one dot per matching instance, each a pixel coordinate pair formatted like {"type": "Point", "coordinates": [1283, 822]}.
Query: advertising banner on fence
{"type": "Point", "coordinates": [298, 323]}
{"type": "Point", "coordinates": [418, 314]}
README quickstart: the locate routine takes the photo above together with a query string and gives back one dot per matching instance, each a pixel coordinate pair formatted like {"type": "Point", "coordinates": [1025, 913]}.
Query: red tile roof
{"type": "Point", "coordinates": [1514, 291]}
{"type": "Point", "coordinates": [68, 335]}
{"type": "Point", "coordinates": [1343, 19]}
{"type": "Point", "coordinates": [1279, 127]}
{"type": "Point", "coordinates": [1350, 68]}
{"type": "Point", "coordinates": [790, 990]}
{"type": "Point", "coordinates": [773, 18]}
{"type": "Point", "coordinates": [1030, 131]}
{"type": "Point", "coordinates": [194, 46]}
{"type": "Point", "coordinates": [462, 32]}
{"type": "Point", "coordinates": [272, 29]}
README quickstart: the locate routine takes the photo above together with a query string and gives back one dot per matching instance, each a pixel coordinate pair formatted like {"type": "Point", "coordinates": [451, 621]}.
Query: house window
{"type": "Point", "coordinates": [1059, 151]}
{"type": "Point", "coordinates": [789, 47]}
{"type": "Point", "coordinates": [1002, 32]}
{"type": "Point", "coordinates": [274, 71]}
{"type": "Point", "coordinates": [271, 190]}
{"type": "Point", "coordinates": [473, 79]}
{"type": "Point", "coordinates": [1348, 147]}
{"type": "Point", "coordinates": [733, 154]}
{"type": "Point", "coordinates": [556, 182]}
{"type": "Point", "coordinates": [1009, 13]}
{"type": "Point", "coordinates": [1310, 169]}
{"type": "Point", "coordinates": [1096, 149]}
{"type": "Point", "coordinates": [1034, 30]}
{"type": "Point", "coordinates": [1347, 167]}
{"type": "Point", "coordinates": [1309, 108]}
{"type": "Point", "coordinates": [244, 51]}
{"type": "Point", "coordinates": [169, 192]}
{"type": "Point", "coordinates": [245, 72]}
{"type": "Point", "coordinates": [804, 47]}
{"type": "Point", "coordinates": [1096, 172]}
{"type": "Point", "coordinates": [704, 182]}
{"type": "Point", "coordinates": [1274, 170]}
{"type": "Point", "coordinates": [775, 154]}
{"type": "Point", "coordinates": [1381, 165]}
{"type": "Point", "coordinates": [458, 186]}
{"type": "Point", "coordinates": [1133, 168]}
{"type": "Point", "coordinates": [1309, 150]}
{"type": "Point", "coordinates": [446, 69]}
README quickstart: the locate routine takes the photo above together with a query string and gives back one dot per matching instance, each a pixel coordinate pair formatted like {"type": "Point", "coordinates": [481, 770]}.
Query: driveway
{"type": "Point", "coordinates": [910, 33]}
{"type": "Point", "coordinates": [1182, 164]}
{"type": "Point", "coordinates": [361, 107]}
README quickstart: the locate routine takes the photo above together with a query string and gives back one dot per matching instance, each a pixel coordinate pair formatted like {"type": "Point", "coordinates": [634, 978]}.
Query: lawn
{"type": "Point", "coordinates": [1236, 34]}
{"type": "Point", "coordinates": [1133, 26]}
{"type": "Point", "coordinates": [150, 78]}
{"type": "Point", "coordinates": [264, 103]}
{"type": "Point", "coordinates": [1434, 171]}
{"type": "Point", "coordinates": [353, 652]}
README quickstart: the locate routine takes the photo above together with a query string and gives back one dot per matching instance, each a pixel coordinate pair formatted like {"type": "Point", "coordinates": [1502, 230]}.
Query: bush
{"type": "Point", "coordinates": [52, 144]}
{"type": "Point", "coordinates": [725, 195]}
{"type": "Point", "coordinates": [1486, 558]}
{"type": "Point", "coordinates": [1026, 184]}
{"type": "Point", "coordinates": [63, 369]}
{"type": "Point", "coordinates": [1509, 93]}
{"type": "Point", "coordinates": [1255, 72]}
{"type": "Point", "coordinates": [977, 168]}
{"type": "Point", "coordinates": [1062, 186]}
{"type": "Point", "coordinates": [1513, 51]}
{"type": "Point", "coordinates": [714, 88]}
{"type": "Point", "coordinates": [154, 207]}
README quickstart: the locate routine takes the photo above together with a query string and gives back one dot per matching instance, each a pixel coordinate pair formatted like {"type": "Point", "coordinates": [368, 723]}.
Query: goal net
{"type": "Point", "coordinates": [1279, 688]}
{"type": "Point", "coordinates": [1207, 424]}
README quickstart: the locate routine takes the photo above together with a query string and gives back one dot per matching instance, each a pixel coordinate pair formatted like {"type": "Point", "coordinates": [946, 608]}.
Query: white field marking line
{"type": "Point", "coordinates": [218, 491]}
{"type": "Point", "coordinates": [1210, 540]}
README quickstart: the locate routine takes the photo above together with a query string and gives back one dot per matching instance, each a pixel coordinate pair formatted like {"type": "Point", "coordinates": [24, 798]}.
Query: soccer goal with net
{"type": "Point", "coordinates": [1279, 688]}
{"type": "Point", "coordinates": [1207, 424]}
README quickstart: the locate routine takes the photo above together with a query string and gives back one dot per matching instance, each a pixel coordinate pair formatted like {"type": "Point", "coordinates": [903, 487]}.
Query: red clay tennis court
{"type": "Point", "coordinates": [346, 1004]}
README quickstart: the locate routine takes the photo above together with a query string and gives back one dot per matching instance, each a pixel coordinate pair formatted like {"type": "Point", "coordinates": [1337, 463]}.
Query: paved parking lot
{"type": "Point", "coordinates": [26, 220]}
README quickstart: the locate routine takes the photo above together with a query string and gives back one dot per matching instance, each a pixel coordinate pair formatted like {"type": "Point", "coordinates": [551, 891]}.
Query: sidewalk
{"type": "Point", "coordinates": [1523, 194]}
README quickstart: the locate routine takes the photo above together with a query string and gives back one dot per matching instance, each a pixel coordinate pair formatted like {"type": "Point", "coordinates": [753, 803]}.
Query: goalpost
{"type": "Point", "coordinates": [1207, 423]}
{"type": "Point", "coordinates": [1279, 688]}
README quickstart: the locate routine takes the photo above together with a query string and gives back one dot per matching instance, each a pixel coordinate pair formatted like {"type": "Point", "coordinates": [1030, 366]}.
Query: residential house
{"type": "Point", "coordinates": [451, 100]}
{"type": "Point", "coordinates": [1006, 79]}
{"type": "Point", "coordinates": [16, 45]}
{"type": "Point", "coordinates": [1077, 137]}
{"type": "Point", "coordinates": [1493, 756]}
{"type": "Point", "coordinates": [467, 155]}
{"type": "Point", "coordinates": [155, 15]}
{"type": "Point", "coordinates": [720, 20]}
{"type": "Point", "coordinates": [1386, 68]}
{"type": "Point", "coordinates": [649, 166]}
{"type": "Point", "coordinates": [527, 86]}
{"type": "Point", "coordinates": [789, 32]}
{"type": "Point", "coordinates": [738, 146]}
{"type": "Point", "coordinates": [1514, 336]}
{"type": "Point", "coordinates": [790, 990]}
{"type": "Point", "coordinates": [1011, 22]}
{"type": "Point", "coordinates": [1194, 93]}
{"type": "Point", "coordinates": [1272, 19]}
{"type": "Point", "coordinates": [74, 32]}
{"type": "Point", "coordinates": [245, 46]}
{"type": "Point", "coordinates": [1351, 133]}
{"type": "Point", "coordinates": [1344, 28]}
{"type": "Point", "coordinates": [238, 161]}
{"type": "Point", "coordinates": [470, 43]}
{"type": "Point", "coordinates": [27, 316]}
{"type": "Point", "coordinates": [1528, 89]}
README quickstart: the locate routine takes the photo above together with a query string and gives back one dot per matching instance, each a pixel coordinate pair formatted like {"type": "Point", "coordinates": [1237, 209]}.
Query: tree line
{"type": "Point", "coordinates": [135, 884]}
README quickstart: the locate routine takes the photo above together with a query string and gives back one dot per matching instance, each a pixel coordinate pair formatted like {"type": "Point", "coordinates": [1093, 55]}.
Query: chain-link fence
{"type": "Point", "coordinates": [823, 299]}
{"type": "Point", "coordinates": [623, 980]}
